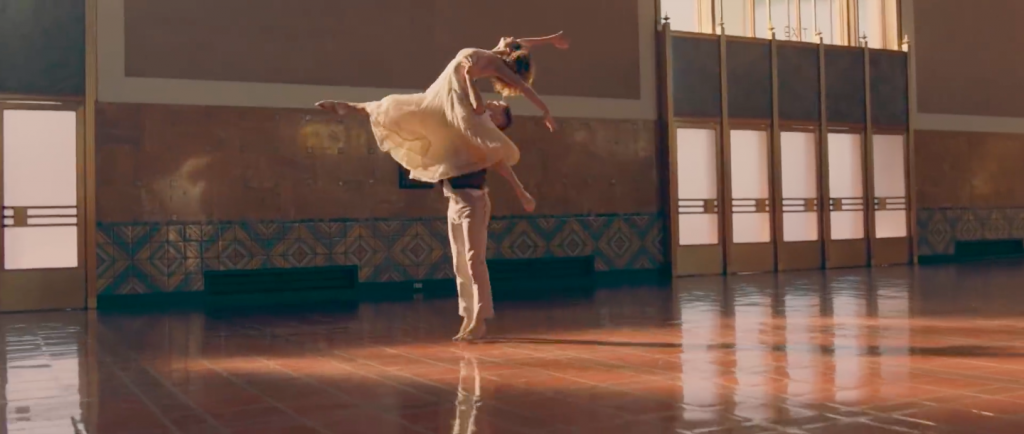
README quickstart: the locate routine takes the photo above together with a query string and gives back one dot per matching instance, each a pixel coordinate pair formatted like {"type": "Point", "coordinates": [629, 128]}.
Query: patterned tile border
{"type": "Point", "coordinates": [940, 228]}
{"type": "Point", "coordinates": [140, 258]}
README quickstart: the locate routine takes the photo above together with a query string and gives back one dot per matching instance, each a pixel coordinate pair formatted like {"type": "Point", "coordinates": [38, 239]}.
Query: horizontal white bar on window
{"type": "Point", "coordinates": [53, 211]}
{"type": "Point", "coordinates": [8, 222]}
{"type": "Point", "coordinates": [700, 210]}
{"type": "Point", "coordinates": [691, 202]}
{"type": "Point", "coordinates": [853, 207]}
{"type": "Point", "coordinates": [744, 209]}
{"type": "Point", "coordinates": [70, 221]}
{"type": "Point", "coordinates": [744, 202]}
{"type": "Point", "coordinates": [797, 201]}
{"type": "Point", "coordinates": [851, 200]}
{"type": "Point", "coordinates": [800, 208]}
{"type": "Point", "coordinates": [8, 213]}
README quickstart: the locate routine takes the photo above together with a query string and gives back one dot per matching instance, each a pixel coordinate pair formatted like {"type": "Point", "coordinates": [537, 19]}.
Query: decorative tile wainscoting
{"type": "Point", "coordinates": [141, 258]}
{"type": "Point", "coordinates": [940, 228]}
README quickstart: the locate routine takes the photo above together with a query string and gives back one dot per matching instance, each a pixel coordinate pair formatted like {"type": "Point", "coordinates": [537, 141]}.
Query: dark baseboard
{"type": "Point", "coordinates": [379, 292]}
{"type": "Point", "coordinates": [954, 259]}
{"type": "Point", "coordinates": [978, 250]}
{"type": "Point", "coordinates": [625, 278]}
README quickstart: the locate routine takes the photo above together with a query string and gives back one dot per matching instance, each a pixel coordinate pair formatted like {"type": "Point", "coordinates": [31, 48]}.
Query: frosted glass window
{"type": "Point", "coordinates": [847, 225]}
{"type": "Point", "coordinates": [845, 167]}
{"type": "Point", "coordinates": [682, 14]}
{"type": "Point", "coordinates": [807, 30]}
{"type": "Point", "coordinates": [696, 163]}
{"type": "Point", "coordinates": [794, 20]}
{"type": "Point", "coordinates": [698, 229]}
{"type": "Point", "coordinates": [846, 180]}
{"type": "Point", "coordinates": [799, 226]}
{"type": "Point", "coordinates": [40, 158]}
{"type": "Point", "coordinates": [41, 169]}
{"type": "Point", "coordinates": [890, 182]}
{"type": "Point", "coordinates": [29, 248]}
{"type": "Point", "coordinates": [799, 181]}
{"type": "Point", "coordinates": [749, 163]}
{"type": "Point", "coordinates": [750, 179]}
{"type": "Point", "coordinates": [890, 166]}
{"type": "Point", "coordinates": [697, 179]}
{"type": "Point", "coordinates": [826, 9]}
{"type": "Point", "coordinates": [891, 223]}
{"type": "Point", "coordinates": [751, 228]}
{"type": "Point", "coordinates": [871, 21]}
{"type": "Point", "coordinates": [736, 18]}
{"type": "Point", "coordinates": [799, 165]}
{"type": "Point", "coordinates": [780, 19]}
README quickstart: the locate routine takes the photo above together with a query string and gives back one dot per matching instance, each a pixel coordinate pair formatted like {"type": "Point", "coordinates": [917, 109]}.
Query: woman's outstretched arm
{"type": "Point", "coordinates": [512, 79]}
{"type": "Point", "coordinates": [558, 40]}
{"type": "Point", "coordinates": [505, 171]}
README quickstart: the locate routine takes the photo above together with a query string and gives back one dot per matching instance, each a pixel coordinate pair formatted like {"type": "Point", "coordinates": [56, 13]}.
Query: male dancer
{"type": "Point", "coordinates": [469, 214]}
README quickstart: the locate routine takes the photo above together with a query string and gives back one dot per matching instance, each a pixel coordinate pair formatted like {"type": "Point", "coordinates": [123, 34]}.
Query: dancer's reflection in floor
{"type": "Point", "coordinates": [468, 398]}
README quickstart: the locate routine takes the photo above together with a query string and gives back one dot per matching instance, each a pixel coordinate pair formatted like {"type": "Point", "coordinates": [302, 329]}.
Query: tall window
{"type": "Point", "coordinates": [837, 22]}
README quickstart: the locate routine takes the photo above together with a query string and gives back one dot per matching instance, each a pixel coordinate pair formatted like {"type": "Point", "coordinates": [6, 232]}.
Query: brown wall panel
{"type": "Point", "coordinates": [844, 85]}
{"type": "Point", "coordinates": [889, 88]}
{"type": "Point", "coordinates": [749, 75]}
{"type": "Point", "coordinates": [42, 47]}
{"type": "Point", "coordinates": [969, 170]}
{"type": "Point", "coordinates": [696, 77]}
{"type": "Point", "coordinates": [799, 85]}
{"type": "Point", "coordinates": [966, 54]}
{"type": "Point", "coordinates": [401, 44]}
{"type": "Point", "coordinates": [192, 163]}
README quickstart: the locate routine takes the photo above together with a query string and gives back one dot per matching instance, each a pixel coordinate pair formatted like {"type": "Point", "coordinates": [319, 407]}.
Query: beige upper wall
{"type": "Point", "coordinates": [967, 70]}
{"type": "Point", "coordinates": [278, 56]}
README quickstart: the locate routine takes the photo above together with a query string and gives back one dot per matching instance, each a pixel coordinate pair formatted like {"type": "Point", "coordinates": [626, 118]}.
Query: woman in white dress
{"type": "Point", "coordinates": [440, 134]}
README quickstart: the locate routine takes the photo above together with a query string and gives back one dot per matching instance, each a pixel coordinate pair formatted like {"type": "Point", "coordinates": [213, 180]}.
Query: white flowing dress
{"type": "Point", "coordinates": [435, 134]}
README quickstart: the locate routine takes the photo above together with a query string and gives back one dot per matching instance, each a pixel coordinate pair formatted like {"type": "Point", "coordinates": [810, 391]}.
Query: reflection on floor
{"type": "Point", "coordinates": [937, 350]}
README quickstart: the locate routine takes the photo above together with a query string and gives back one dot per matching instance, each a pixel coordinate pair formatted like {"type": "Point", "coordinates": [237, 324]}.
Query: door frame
{"type": "Point", "coordinates": [747, 257]}
{"type": "Point", "coordinates": [695, 260]}
{"type": "Point", "coordinates": [892, 251]}
{"type": "Point", "coordinates": [845, 253]}
{"type": "Point", "coordinates": [798, 255]}
{"type": "Point", "coordinates": [40, 300]}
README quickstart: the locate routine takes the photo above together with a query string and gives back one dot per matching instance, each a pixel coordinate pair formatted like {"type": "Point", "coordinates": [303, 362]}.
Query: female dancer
{"type": "Point", "coordinates": [439, 134]}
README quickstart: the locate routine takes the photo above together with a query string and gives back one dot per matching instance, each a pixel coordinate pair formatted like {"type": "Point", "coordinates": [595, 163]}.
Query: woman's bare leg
{"type": "Point", "coordinates": [505, 170]}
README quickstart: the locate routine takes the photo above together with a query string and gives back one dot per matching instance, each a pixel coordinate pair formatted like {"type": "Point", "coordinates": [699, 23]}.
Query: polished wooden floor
{"type": "Point", "coordinates": [936, 350]}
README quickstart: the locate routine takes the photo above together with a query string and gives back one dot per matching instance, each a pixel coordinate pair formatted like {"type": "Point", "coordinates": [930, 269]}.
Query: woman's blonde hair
{"type": "Point", "coordinates": [520, 63]}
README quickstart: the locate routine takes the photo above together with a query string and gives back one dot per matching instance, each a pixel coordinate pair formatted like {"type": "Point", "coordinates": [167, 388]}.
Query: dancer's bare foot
{"type": "Point", "coordinates": [529, 204]}
{"type": "Point", "coordinates": [466, 323]}
{"type": "Point", "coordinates": [476, 332]}
{"type": "Point", "coordinates": [338, 107]}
